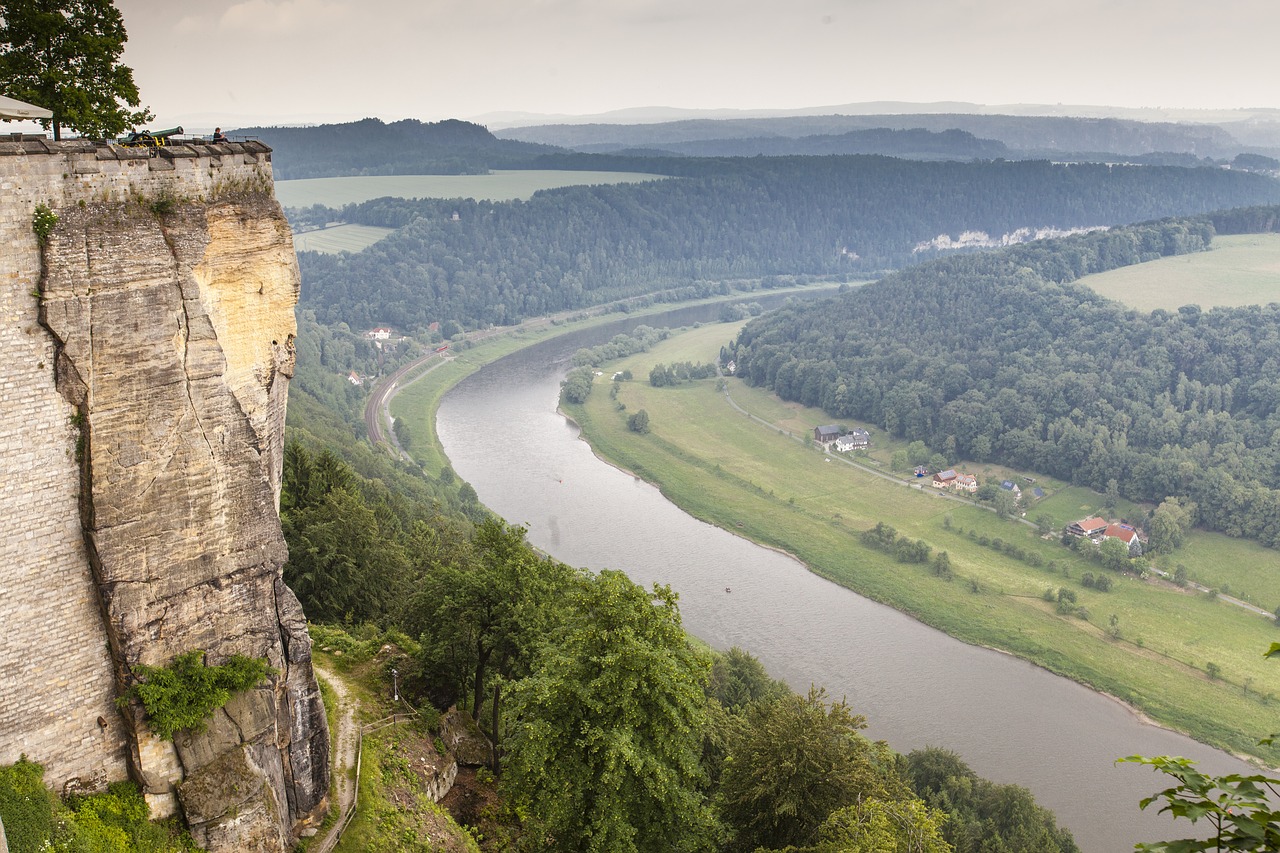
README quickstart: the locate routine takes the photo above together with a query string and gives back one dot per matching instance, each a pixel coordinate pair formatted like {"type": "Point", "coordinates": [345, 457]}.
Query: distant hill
{"type": "Point", "coordinates": [372, 147]}
{"type": "Point", "coordinates": [1023, 135]}
{"type": "Point", "coordinates": [914, 144]}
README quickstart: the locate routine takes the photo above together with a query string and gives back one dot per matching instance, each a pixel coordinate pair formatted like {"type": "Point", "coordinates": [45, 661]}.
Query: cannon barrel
{"type": "Point", "coordinates": [165, 134]}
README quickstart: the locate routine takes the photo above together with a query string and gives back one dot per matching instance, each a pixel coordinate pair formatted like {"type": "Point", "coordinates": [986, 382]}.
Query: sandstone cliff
{"type": "Point", "coordinates": [165, 298]}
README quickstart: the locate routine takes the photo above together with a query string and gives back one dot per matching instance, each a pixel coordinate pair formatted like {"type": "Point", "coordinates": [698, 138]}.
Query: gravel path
{"type": "Point", "coordinates": [346, 745]}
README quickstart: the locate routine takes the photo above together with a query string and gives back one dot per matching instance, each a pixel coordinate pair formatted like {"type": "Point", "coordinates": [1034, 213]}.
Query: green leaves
{"type": "Point", "coordinates": [1237, 807]}
{"type": "Point", "coordinates": [604, 740]}
{"type": "Point", "coordinates": [65, 56]}
{"type": "Point", "coordinates": [183, 694]}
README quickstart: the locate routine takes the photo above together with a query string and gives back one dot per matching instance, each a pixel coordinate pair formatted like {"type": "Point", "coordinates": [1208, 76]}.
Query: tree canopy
{"type": "Point", "coordinates": [1003, 357]}
{"type": "Point", "coordinates": [64, 55]}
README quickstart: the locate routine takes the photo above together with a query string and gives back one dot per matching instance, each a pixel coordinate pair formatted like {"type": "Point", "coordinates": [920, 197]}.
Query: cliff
{"type": "Point", "coordinates": [141, 440]}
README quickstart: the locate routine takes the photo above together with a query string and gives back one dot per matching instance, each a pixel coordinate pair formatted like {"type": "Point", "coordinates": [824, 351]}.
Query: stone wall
{"type": "Point", "coordinates": [148, 345]}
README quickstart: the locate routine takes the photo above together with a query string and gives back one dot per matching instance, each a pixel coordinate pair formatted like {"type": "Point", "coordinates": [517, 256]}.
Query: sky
{"type": "Point", "coordinates": [239, 62]}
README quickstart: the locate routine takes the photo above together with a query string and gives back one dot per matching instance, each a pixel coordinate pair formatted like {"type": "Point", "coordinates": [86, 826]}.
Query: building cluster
{"type": "Point", "coordinates": [1099, 530]}
{"type": "Point", "coordinates": [832, 436]}
{"type": "Point", "coordinates": [955, 481]}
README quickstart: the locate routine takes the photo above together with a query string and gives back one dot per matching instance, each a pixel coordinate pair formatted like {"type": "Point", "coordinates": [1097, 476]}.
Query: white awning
{"type": "Point", "coordinates": [13, 109]}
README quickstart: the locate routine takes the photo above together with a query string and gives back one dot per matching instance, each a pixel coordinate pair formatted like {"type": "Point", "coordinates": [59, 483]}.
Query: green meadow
{"type": "Point", "coordinates": [339, 238]}
{"type": "Point", "coordinates": [1237, 270]}
{"type": "Point", "coordinates": [498, 185]}
{"type": "Point", "coordinates": [769, 484]}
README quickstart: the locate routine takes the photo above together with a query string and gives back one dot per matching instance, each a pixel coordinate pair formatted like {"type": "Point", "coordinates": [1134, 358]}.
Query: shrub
{"type": "Point", "coordinates": [184, 694]}
{"type": "Point", "coordinates": [43, 222]}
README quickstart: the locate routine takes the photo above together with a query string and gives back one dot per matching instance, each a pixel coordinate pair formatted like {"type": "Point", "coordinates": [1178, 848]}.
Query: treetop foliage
{"type": "Point", "coordinates": [64, 55]}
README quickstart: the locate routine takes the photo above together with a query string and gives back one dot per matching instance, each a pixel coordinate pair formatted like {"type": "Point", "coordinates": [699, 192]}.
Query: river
{"type": "Point", "coordinates": [1010, 720]}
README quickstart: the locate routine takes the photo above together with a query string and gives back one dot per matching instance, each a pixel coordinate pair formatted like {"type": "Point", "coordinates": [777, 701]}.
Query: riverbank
{"type": "Point", "coordinates": [725, 469]}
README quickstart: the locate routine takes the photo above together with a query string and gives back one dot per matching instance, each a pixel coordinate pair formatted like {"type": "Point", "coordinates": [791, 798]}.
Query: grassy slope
{"type": "Point", "coordinates": [340, 238]}
{"type": "Point", "coordinates": [724, 468]}
{"type": "Point", "coordinates": [1237, 270]}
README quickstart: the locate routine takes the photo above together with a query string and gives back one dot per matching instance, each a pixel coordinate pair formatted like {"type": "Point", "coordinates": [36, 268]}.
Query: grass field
{"type": "Point", "coordinates": [1237, 270]}
{"type": "Point", "coordinates": [340, 238]}
{"type": "Point", "coordinates": [495, 186]}
{"type": "Point", "coordinates": [727, 469]}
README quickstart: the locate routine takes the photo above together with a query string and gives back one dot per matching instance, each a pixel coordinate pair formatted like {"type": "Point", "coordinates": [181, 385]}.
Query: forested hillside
{"type": "Point", "coordinates": [372, 147]}
{"type": "Point", "coordinates": [1000, 357]}
{"type": "Point", "coordinates": [730, 219]}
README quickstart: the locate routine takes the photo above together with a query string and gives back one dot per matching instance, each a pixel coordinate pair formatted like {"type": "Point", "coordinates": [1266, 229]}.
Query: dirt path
{"type": "Point", "coordinates": [343, 787]}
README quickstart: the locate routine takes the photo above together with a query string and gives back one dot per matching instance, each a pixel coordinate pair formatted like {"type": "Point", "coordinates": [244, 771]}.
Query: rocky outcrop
{"type": "Point", "coordinates": [170, 308]}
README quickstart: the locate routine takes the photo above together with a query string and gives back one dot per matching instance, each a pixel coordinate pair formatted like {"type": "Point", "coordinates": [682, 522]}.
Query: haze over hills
{"type": "Point", "coordinates": [1026, 135]}
{"type": "Point", "coordinates": [654, 114]}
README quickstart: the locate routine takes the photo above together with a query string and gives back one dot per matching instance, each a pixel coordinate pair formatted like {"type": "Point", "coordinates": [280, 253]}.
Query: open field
{"type": "Point", "coordinates": [340, 238]}
{"type": "Point", "coordinates": [1237, 270]}
{"type": "Point", "coordinates": [495, 186]}
{"type": "Point", "coordinates": [728, 469]}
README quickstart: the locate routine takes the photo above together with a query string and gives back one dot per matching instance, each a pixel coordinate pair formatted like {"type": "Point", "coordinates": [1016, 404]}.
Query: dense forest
{"type": "Point", "coordinates": [499, 262]}
{"type": "Point", "coordinates": [614, 731]}
{"type": "Point", "coordinates": [999, 356]}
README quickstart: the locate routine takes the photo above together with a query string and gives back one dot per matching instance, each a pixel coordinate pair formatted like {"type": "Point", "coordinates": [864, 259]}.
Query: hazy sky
{"type": "Point", "coordinates": [234, 61]}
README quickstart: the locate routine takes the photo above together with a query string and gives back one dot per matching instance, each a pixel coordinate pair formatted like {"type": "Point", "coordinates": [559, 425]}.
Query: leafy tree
{"type": "Point", "coordinates": [639, 422]}
{"type": "Point", "coordinates": [883, 826]}
{"type": "Point", "coordinates": [1004, 502]}
{"type": "Point", "coordinates": [1170, 523]}
{"type": "Point", "coordinates": [796, 761]}
{"type": "Point", "coordinates": [65, 56]}
{"type": "Point", "coordinates": [984, 815]}
{"type": "Point", "coordinates": [603, 749]}
{"type": "Point", "coordinates": [1114, 554]}
{"type": "Point", "coordinates": [738, 679]}
{"type": "Point", "coordinates": [577, 384]}
{"type": "Point", "coordinates": [481, 616]}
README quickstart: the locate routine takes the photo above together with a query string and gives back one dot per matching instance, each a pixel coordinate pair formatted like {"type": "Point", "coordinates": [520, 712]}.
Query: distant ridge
{"type": "Point", "coordinates": [1024, 135]}
{"type": "Point", "coordinates": [373, 147]}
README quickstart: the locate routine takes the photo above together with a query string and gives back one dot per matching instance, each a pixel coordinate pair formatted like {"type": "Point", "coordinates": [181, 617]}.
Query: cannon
{"type": "Point", "coordinates": [149, 138]}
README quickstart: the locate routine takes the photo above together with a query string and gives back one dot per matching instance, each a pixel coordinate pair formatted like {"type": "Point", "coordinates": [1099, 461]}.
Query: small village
{"type": "Point", "coordinates": [1094, 529]}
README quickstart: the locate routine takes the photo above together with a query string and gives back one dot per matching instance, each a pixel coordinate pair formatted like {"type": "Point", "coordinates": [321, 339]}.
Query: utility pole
{"type": "Point", "coordinates": [395, 680]}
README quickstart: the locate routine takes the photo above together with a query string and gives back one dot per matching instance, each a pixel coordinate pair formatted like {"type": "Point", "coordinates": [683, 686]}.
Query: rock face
{"type": "Point", "coordinates": [167, 292]}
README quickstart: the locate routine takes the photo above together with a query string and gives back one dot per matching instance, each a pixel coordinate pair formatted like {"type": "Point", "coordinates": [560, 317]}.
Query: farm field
{"type": "Point", "coordinates": [1237, 270]}
{"type": "Point", "coordinates": [762, 483]}
{"type": "Point", "coordinates": [340, 238]}
{"type": "Point", "coordinates": [498, 185]}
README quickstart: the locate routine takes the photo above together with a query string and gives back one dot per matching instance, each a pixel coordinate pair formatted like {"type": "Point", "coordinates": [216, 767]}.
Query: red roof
{"type": "Point", "coordinates": [1119, 531]}
{"type": "Point", "coordinates": [1093, 523]}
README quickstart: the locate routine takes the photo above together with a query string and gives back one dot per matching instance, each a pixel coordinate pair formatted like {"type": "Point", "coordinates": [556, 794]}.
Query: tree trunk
{"type": "Point", "coordinates": [482, 658]}
{"type": "Point", "coordinates": [497, 691]}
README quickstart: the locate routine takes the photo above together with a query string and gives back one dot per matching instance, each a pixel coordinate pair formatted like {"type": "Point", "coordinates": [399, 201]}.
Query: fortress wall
{"type": "Point", "coordinates": [174, 265]}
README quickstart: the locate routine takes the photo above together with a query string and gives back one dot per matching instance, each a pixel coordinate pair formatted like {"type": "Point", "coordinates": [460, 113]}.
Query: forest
{"type": "Point", "coordinates": [1000, 356]}
{"type": "Point", "coordinates": [500, 262]}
